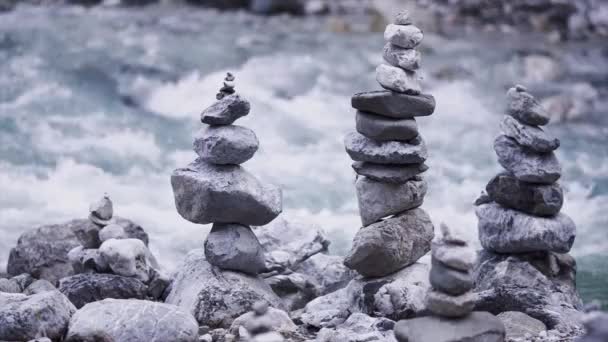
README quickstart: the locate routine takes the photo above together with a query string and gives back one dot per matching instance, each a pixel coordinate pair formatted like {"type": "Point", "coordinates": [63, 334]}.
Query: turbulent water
{"type": "Point", "coordinates": [107, 100]}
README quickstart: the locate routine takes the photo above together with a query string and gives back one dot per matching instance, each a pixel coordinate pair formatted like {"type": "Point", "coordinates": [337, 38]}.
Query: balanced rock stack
{"type": "Point", "coordinates": [523, 210]}
{"type": "Point", "coordinates": [451, 300]}
{"type": "Point", "coordinates": [216, 189]}
{"type": "Point", "coordinates": [389, 157]}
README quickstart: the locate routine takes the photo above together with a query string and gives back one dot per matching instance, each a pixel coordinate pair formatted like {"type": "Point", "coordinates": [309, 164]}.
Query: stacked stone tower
{"type": "Point", "coordinates": [216, 189]}
{"type": "Point", "coordinates": [451, 300]}
{"type": "Point", "coordinates": [522, 213]}
{"type": "Point", "coordinates": [389, 156]}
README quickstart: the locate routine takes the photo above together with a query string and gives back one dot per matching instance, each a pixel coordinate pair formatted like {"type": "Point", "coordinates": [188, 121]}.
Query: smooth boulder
{"type": "Point", "coordinates": [234, 247]}
{"type": "Point", "coordinates": [228, 144]}
{"type": "Point", "coordinates": [533, 199]}
{"type": "Point", "coordinates": [82, 289]}
{"type": "Point", "coordinates": [397, 174]}
{"type": "Point", "coordinates": [525, 164]}
{"type": "Point", "coordinates": [383, 128]}
{"type": "Point", "coordinates": [378, 200]}
{"type": "Point", "coordinates": [87, 260]}
{"type": "Point", "coordinates": [408, 59]}
{"type": "Point", "coordinates": [206, 193]}
{"type": "Point", "coordinates": [505, 230]}
{"type": "Point", "coordinates": [361, 148]}
{"type": "Point", "coordinates": [394, 105]}
{"type": "Point", "coordinates": [226, 111]}
{"type": "Point", "coordinates": [128, 257]}
{"type": "Point", "coordinates": [445, 305]}
{"type": "Point", "coordinates": [112, 231]}
{"type": "Point", "coordinates": [405, 36]}
{"type": "Point", "coordinates": [525, 108]}
{"type": "Point", "coordinates": [518, 324]}
{"type": "Point", "coordinates": [398, 80]}
{"type": "Point", "coordinates": [532, 137]}
{"type": "Point", "coordinates": [132, 320]}
{"type": "Point", "coordinates": [459, 257]}
{"type": "Point", "coordinates": [450, 281]}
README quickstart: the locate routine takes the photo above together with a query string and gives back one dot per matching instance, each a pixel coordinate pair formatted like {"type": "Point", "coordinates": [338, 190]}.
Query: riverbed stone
{"type": "Point", "coordinates": [228, 144]}
{"type": "Point", "coordinates": [23, 318]}
{"type": "Point", "coordinates": [527, 165]}
{"type": "Point", "coordinates": [525, 108]}
{"type": "Point", "coordinates": [112, 231]}
{"type": "Point", "coordinates": [532, 137]}
{"type": "Point", "coordinates": [359, 327]}
{"type": "Point", "coordinates": [394, 105]}
{"type": "Point", "coordinates": [533, 199]}
{"type": "Point", "coordinates": [39, 286]}
{"type": "Point", "coordinates": [362, 148]}
{"type": "Point", "coordinates": [82, 289]}
{"type": "Point", "coordinates": [263, 319]}
{"type": "Point", "coordinates": [383, 128]}
{"type": "Point", "coordinates": [398, 80]}
{"type": "Point", "coordinates": [405, 36]}
{"type": "Point", "coordinates": [86, 260]}
{"type": "Point", "coordinates": [459, 257]}
{"type": "Point", "coordinates": [397, 174]}
{"type": "Point", "coordinates": [234, 247]}
{"type": "Point", "coordinates": [445, 305]}
{"type": "Point", "coordinates": [226, 111]}
{"type": "Point", "coordinates": [476, 327]}
{"type": "Point", "coordinates": [378, 200]}
{"type": "Point", "coordinates": [408, 59]}
{"type": "Point", "coordinates": [206, 193]}
{"type": "Point", "coordinates": [387, 246]}
{"type": "Point", "coordinates": [88, 234]}
{"type": "Point", "coordinates": [504, 230]}
{"type": "Point", "coordinates": [450, 281]}
{"type": "Point", "coordinates": [101, 211]}
{"type": "Point", "coordinates": [132, 320]}
{"type": "Point", "coordinates": [127, 257]}
{"type": "Point", "coordinates": [518, 324]}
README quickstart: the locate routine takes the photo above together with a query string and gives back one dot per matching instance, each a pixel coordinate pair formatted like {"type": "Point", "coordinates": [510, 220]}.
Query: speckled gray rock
{"type": "Point", "coordinates": [216, 297]}
{"type": "Point", "coordinates": [265, 320]}
{"type": "Point", "coordinates": [39, 286]}
{"type": "Point", "coordinates": [403, 18]}
{"type": "Point", "coordinates": [405, 36]}
{"type": "Point", "coordinates": [132, 320]}
{"type": "Point", "coordinates": [133, 230]}
{"type": "Point", "coordinates": [394, 105]}
{"type": "Point", "coordinates": [225, 144]}
{"type": "Point", "coordinates": [23, 318]}
{"type": "Point", "coordinates": [383, 128]}
{"type": "Point", "coordinates": [87, 260]}
{"type": "Point", "coordinates": [82, 289]}
{"type": "Point", "coordinates": [387, 246]}
{"type": "Point", "coordinates": [532, 137]}
{"type": "Point", "coordinates": [112, 231]}
{"type": "Point", "coordinates": [518, 324]}
{"type": "Point", "coordinates": [396, 174]}
{"type": "Point", "coordinates": [359, 327]}
{"type": "Point", "coordinates": [100, 212]}
{"type": "Point", "coordinates": [525, 108]}
{"type": "Point", "coordinates": [398, 80]}
{"type": "Point", "coordinates": [206, 193]}
{"type": "Point", "coordinates": [361, 148]}
{"type": "Point", "coordinates": [450, 281]}
{"type": "Point", "coordinates": [445, 305]}
{"type": "Point", "coordinates": [88, 234]}
{"type": "Point", "coordinates": [127, 257]}
{"type": "Point", "coordinates": [408, 59]}
{"type": "Point", "coordinates": [534, 199]}
{"type": "Point", "coordinates": [328, 272]}
{"type": "Point", "coordinates": [226, 110]}
{"type": "Point", "coordinates": [476, 327]}
{"type": "Point", "coordinates": [460, 257]}
{"type": "Point", "coordinates": [378, 200]}
{"type": "Point", "coordinates": [527, 165]}
{"type": "Point", "coordinates": [9, 286]}
{"type": "Point", "coordinates": [505, 230]}
{"type": "Point", "coordinates": [234, 247]}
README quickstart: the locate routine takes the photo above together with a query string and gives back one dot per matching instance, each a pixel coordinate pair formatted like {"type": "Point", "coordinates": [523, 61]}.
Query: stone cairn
{"type": "Point", "coordinates": [520, 213]}
{"type": "Point", "coordinates": [389, 157]}
{"type": "Point", "coordinates": [216, 189]}
{"type": "Point", "coordinates": [451, 300]}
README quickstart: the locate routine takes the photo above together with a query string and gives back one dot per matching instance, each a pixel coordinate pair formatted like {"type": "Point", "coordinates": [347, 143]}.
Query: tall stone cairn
{"type": "Point", "coordinates": [451, 300]}
{"type": "Point", "coordinates": [389, 156]}
{"type": "Point", "coordinates": [216, 189]}
{"type": "Point", "coordinates": [521, 213]}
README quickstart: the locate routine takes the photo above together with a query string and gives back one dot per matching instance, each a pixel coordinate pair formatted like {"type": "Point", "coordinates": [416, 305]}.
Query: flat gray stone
{"type": "Point", "coordinates": [394, 105]}
{"type": "Point", "coordinates": [132, 320]}
{"type": "Point", "coordinates": [445, 305]}
{"type": "Point", "coordinates": [378, 200]}
{"type": "Point", "coordinates": [383, 128]}
{"type": "Point", "coordinates": [362, 148]}
{"type": "Point", "coordinates": [518, 324]}
{"type": "Point", "coordinates": [397, 174]}
{"type": "Point", "coordinates": [228, 144]}
{"type": "Point", "coordinates": [23, 318]}
{"type": "Point", "coordinates": [527, 165]}
{"type": "Point", "coordinates": [505, 230]}
{"type": "Point", "coordinates": [82, 289]}
{"type": "Point", "coordinates": [405, 36]}
{"type": "Point", "coordinates": [450, 281]}
{"type": "Point", "coordinates": [226, 111]}
{"type": "Point", "coordinates": [398, 80]}
{"type": "Point", "coordinates": [88, 234]}
{"type": "Point", "coordinates": [39, 286]}
{"type": "Point", "coordinates": [234, 247]}
{"type": "Point", "coordinates": [460, 257]}
{"type": "Point", "coordinates": [127, 257]}
{"type": "Point", "coordinates": [476, 327]}
{"type": "Point", "coordinates": [408, 59]}
{"type": "Point", "coordinates": [532, 137]}
{"type": "Point", "coordinates": [533, 199]}
{"type": "Point", "coordinates": [390, 245]}
{"type": "Point", "coordinates": [525, 108]}
{"type": "Point", "coordinates": [206, 193]}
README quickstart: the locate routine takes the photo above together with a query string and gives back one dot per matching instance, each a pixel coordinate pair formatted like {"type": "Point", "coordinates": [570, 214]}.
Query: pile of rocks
{"type": "Point", "coordinates": [389, 157]}
{"type": "Point", "coordinates": [519, 216]}
{"type": "Point", "coordinates": [451, 300]}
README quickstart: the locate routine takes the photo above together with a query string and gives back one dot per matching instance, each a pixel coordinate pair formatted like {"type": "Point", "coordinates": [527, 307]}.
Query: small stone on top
{"type": "Point", "coordinates": [228, 88]}
{"type": "Point", "coordinates": [403, 18]}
